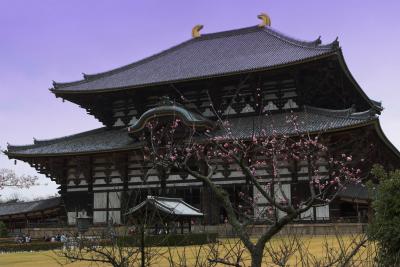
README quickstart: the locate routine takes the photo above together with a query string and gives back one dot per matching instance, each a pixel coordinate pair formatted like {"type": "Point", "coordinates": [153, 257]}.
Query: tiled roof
{"type": "Point", "coordinates": [104, 140]}
{"type": "Point", "coordinates": [98, 140]}
{"type": "Point", "coordinates": [355, 191]}
{"type": "Point", "coordinates": [210, 55]}
{"type": "Point", "coordinates": [311, 119]}
{"type": "Point", "coordinates": [169, 206]}
{"type": "Point", "coordinates": [27, 207]}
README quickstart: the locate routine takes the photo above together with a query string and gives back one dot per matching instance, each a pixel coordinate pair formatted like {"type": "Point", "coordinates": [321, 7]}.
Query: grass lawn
{"type": "Point", "coordinates": [315, 246]}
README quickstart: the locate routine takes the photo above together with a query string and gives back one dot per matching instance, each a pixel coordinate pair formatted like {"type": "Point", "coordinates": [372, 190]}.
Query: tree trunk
{"type": "Point", "coordinates": [142, 247]}
{"type": "Point", "coordinates": [256, 257]}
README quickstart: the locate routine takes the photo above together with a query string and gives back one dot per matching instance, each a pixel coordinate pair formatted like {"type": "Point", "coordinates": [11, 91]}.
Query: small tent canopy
{"type": "Point", "coordinates": [165, 210]}
{"type": "Point", "coordinates": [170, 207]}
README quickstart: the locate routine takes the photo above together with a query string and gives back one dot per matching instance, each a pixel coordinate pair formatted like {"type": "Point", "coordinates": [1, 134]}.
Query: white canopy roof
{"type": "Point", "coordinates": [170, 206]}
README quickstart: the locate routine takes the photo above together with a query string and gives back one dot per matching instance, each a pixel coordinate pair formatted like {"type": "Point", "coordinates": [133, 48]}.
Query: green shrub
{"type": "Point", "coordinates": [385, 226]}
{"type": "Point", "coordinates": [170, 240]}
{"type": "Point", "coordinates": [34, 246]}
{"type": "Point", "coordinates": [3, 229]}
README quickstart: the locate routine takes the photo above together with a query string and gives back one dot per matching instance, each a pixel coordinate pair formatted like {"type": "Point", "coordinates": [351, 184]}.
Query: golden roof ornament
{"type": "Point", "coordinates": [266, 20]}
{"type": "Point", "coordinates": [196, 30]}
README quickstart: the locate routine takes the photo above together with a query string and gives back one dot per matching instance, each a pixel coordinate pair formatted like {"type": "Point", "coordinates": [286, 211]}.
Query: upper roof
{"type": "Point", "coordinates": [210, 55]}
{"type": "Point", "coordinates": [117, 139]}
{"type": "Point", "coordinates": [169, 206]}
{"type": "Point", "coordinates": [28, 207]}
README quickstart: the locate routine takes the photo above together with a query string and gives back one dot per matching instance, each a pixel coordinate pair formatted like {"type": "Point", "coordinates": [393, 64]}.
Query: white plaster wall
{"type": "Point", "coordinates": [114, 199]}
{"type": "Point", "coordinates": [100, 200]}
{"type": "Point", "coordinates": [115, 216]}
{"type": "Point", "coordinates": [99, 216]}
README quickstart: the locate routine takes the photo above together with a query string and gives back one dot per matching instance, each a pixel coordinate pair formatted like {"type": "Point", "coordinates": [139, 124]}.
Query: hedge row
{"type": "Point", "coordinates": [170, 240]}
{"type": "Point", "coordinates": [34, 246]}
{"type": "Point", "coordinates": [150, 240]}
{"type": "Point", "coordinates": [3, 229]}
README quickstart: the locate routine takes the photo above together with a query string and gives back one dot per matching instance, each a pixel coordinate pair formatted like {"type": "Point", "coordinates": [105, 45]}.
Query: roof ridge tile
{"type": "Point", "coordinates": [348, 113]}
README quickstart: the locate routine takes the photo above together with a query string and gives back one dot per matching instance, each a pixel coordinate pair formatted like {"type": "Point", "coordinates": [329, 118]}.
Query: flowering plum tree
{"type": "Point", "coordinates": [8, 178]}
{"type": "Point", "coordinates": [200, 151]}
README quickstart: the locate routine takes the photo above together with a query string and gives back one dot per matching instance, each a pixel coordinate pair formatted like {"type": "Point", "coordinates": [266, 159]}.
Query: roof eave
{"type": "Point", "coordinates": [12, 155]}
{"type": "Point", "coordinates": [346, 70]}
{"type": "Point", "coordinates": [383, 137]}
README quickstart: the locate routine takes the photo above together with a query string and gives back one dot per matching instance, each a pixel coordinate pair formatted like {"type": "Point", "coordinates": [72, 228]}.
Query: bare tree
{"type": "Point", "coordinates": [109, 248]}
{"type": "Point", "coordinates": [118, 246]}
{"type": "Point", "coordinates": [288, 250]}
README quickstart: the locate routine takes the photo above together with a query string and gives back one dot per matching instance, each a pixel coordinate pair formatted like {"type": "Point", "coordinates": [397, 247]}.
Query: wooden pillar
{"type": "Point", "coordinates": [9, 222]}
{"type": "Point", "coordinates": [181, 223]}
{"type": "Point", "coordinates": [62, 180]}
{"type": "Point", "coordinates": [162, 175]}
{"type": "Point", "coordinates": [209, 206]}
{"type": "Point", "coordinates": [107, 207]}
{"type": "Point", "coordinates": [121, 163]}
{"type": "Point", "coordinates": [190, 225]}
{"type": "Point", "coordinates": [125, 197]}
{"type": "Point", "coordinates": [26, 220]}
{"type": "Point", "coordinates": [90, 196]}
{"type": "Point", "coordinates": [314, 209]}
{"type": "Point", "coordinates": [295, 195]}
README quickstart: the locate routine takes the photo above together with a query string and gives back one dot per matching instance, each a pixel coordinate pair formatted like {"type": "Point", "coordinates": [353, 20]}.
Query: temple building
{"type": "Point", "coordinates": [32, 214]}
{"type": "Point", "coordinates": [238, 75]}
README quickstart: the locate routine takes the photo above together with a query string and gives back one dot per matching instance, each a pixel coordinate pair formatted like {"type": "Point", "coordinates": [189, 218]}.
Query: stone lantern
{"type": "Point", "coordinates": [83, 222]}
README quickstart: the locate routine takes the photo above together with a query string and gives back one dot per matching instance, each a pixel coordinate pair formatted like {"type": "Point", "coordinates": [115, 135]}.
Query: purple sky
{"type": "Point", "coordinates": [47, 40]}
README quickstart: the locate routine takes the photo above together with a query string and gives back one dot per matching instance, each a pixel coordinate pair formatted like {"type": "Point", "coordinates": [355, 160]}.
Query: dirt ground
{"type": "Point", "coordinates": [316, 246]}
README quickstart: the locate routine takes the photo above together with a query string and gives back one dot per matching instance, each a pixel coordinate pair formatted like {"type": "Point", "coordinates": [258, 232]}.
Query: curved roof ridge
{"type": "Point", "coordinates": [189, 117]}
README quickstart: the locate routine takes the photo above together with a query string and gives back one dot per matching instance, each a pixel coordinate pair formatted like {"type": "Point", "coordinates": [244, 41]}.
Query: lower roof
{"type": "Point", "coordinates": [355, 191]}
{"type": "Point", "coordinates": [94, 141]}
{"type": "Point", "coordinates": [103, 140]}
{"type": "Point", "coordinates": [15, 208]}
